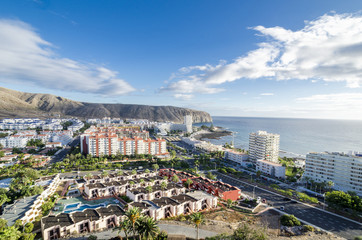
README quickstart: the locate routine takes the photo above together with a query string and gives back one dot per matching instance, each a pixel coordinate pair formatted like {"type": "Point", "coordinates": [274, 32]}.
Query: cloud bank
{"type": "Point", "coordinates": [26, 58]}
{"type": "Point", "coordinates": [327, 49]}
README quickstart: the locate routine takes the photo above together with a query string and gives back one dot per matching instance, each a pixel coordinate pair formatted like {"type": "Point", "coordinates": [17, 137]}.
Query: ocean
{"type": "Point", "coordinates": [297, 136]}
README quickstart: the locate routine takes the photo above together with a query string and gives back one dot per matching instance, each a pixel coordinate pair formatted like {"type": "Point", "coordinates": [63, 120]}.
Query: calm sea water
{"type": "Point", "coordinates": [298, 136]}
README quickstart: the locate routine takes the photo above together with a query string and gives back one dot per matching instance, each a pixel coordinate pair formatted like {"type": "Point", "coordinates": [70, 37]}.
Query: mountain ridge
{"type": "Point", "coordinates": [22, 104]}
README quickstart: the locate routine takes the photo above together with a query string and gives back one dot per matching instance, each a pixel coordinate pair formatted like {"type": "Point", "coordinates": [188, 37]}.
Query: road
{"type": "Point", "coordinates": [60, 156]}
{"type": "Point", "coordinates": [338, 225]}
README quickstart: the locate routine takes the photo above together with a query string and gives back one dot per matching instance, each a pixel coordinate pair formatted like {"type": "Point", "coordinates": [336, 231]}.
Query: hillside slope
{"type": "Point", "coordinates": [20, 104]}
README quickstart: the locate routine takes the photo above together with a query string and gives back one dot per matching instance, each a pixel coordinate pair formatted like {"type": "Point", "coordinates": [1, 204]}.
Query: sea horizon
{"type": "Point", "coordinates": [298, 136]}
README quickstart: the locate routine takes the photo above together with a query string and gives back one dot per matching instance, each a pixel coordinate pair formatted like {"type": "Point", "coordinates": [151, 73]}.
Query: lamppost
{"type": "Point", "coordinates": [324, 201]}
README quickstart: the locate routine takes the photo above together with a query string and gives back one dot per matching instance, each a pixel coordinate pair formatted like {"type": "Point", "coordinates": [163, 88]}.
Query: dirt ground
{"type": "Point", "coordinates": [226, 221]}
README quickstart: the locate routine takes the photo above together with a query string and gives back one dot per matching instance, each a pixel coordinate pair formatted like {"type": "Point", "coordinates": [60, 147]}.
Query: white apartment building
{"type": "Point", "coordinates": [188, 123]}
{"type": "Point", "coordinates": [11, 142]}
{"type": "Point", "coordinates": [344, 170]}
{"type": "Point", "coordinates": [271, 168]}
{"type": "Point", "coordinates": [264, 146]}
{"type": "Point", "coordinates": [238, 157]}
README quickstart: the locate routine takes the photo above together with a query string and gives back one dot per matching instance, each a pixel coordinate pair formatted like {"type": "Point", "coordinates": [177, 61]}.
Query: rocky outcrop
{"type": "Point", "coordinates": [21, 104]}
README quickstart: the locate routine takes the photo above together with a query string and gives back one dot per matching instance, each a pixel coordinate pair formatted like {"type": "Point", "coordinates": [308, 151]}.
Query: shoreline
{"type": "Point", "coordinates": [218, 133]}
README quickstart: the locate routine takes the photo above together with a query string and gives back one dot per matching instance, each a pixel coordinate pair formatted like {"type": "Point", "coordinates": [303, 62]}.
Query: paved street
{"type": "Point", "coordinates": [170, 229]}
{"type": "Point", "coordinates": [327, 221]}
{"type": "Point", "coordinates": [60, 156]}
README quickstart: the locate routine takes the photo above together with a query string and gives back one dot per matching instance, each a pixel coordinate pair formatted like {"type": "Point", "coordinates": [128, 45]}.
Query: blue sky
{"type": "Point", "coordinates": [230, 58]}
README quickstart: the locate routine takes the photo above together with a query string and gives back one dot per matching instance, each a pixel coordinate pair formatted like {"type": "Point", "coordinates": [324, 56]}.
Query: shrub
{"type": "Point", "coordinates": [289, 220]}
{"type": "Point", "coordinates": [358, 238]}
{"type": "Point", "coordinates": [308, 228]}
{"type": "Point", "coordinates": [162, 235]}
{"type": "Point", "coordinates": [92, 237]}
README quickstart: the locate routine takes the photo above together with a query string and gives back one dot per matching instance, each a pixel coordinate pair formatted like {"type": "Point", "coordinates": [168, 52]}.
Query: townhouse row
{"type": "Point", "coordinates": [216, 188]}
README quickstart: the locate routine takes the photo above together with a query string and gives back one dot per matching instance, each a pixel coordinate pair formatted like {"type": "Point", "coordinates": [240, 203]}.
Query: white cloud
{"type": "Point", "coordinates": [338, 105]}
{"type": "Point", "coordinates": [26, 58]}
{"type": "Point", "coordinates": [266, 94]}
{"type": "Point", "coordinates": [183, 96]}
{"type": "Point", "coordinates": [328, 49]}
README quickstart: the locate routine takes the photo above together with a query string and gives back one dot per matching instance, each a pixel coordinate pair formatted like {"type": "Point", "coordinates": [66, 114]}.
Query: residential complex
{"type": "Point", "coordinates": [344, 170]}
{"type": "Point", "coordinates": [32, 123]}
{"type": "Point", "coordinates": [99, 141]}
{"type": "Point", "coordinates": [146, 191]}
{"type": "Point", "coordinates": [21, 138]}
{"type": "Point", "coordinates": [264, 146]}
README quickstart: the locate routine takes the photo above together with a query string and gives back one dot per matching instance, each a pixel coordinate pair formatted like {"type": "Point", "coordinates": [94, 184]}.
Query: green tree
{"type": "Point", "coordinates": [149, 189]}
{"type": "Point", "coordinates": [148, 228]}
{"type": "Point", "coordinates": [188, 183]}
{"type": "Point", "coordinates": [289, 220]}
{"type": "Point", "coordinates": [198, 219]}
{"type": "Point", "coordinates": [330, 184]}
{"type": "Point", "coordinates": [104, 174]}
{"type": "Point", "coordinates": [229, 203]}
{"type": "Point", "coordinates": [88, 176]}
{"type": "Point", "coordinates": [133, 214]}
{"type": "Point", "coordinates": [155, 167]}
{"type": "Point", "coordinates": [3, 199]}
{"type": "Point", "coordinates": [124, 226]}
{"type": "Point", "coordinates": [163, 185]}
{"type": "Point", "coordinates": [10, 233]}
{"type": "Point", "coordinates": [175, 179]}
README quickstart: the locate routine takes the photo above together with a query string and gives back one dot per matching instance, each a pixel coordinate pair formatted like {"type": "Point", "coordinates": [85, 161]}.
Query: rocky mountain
{"type": "Point", "coordinates": [22, 104]}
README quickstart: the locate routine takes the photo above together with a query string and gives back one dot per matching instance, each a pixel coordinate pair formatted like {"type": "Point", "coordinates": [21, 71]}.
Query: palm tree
{"type": "Point", "coordinates": [142, 181]}
{"type": "Point", "coordinates": [133, 214]}
{"type": "Point", "coordinates": [163, 185]}
{"type": "Point", "coordinates": [188, 183]}
{"type": "Point", "coordinates": [330, 184]}
{"type": "Point", "coordinates": [307, 179]}
{"type": "Point", "coordinates": [147, 171]}
{"type": "Point", "coordinates": [88, 176]}
{"type": "Point", "coordinates": [149, 227]}
{"type": "Point", "coordinates": [104, 174]}
{"type": "Point", "coordinates": [134, 172]}
{"type": "Point", "coordinates": [149, 189]}
{"type": "Point", "coordinates": [125, 227]}
{"type": "Point", "coordinates": [197, 219]}
{"type": "Point", "coordinates": [119, 173]}
{"type": "Point", "coordinates": [155, 167]}
{"type": "Point", "coordinates": [175, 179]}
{"type": "Point", "coordinates": [131, 183]}
{"type": "Point", "coordinates": [197, 164]}
{"type": "Point", "coordinates": [165, 178]}
{"type": "Point", "coordinates": [229, 203]}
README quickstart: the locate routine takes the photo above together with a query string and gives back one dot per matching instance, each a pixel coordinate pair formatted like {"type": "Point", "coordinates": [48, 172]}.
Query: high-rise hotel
{"type": "Point", "coordinates": [344, 170]}
{"type": "Point", "coordinates": [264, 152]}
{"type": "Point", "coordinates": [264, 145]}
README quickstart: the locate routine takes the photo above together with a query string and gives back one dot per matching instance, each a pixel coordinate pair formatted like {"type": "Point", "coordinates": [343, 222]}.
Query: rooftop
{"type": "Point", "coordinates": [18, 209]}
{"type": "Point", "coordinates": [62, 219]}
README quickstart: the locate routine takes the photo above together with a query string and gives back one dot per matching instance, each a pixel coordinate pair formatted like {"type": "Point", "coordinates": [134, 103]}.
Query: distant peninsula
{"type": "Point", "coordinates": [15, 104]}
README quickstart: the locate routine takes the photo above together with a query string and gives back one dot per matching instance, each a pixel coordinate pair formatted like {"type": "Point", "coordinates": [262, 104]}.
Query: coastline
{"type": "Point", "coordinates": [217, 133]}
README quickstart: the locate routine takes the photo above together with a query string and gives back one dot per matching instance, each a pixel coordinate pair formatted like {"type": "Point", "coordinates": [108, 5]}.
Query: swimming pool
{"type": "Point", "coordinates": [78, 207]}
